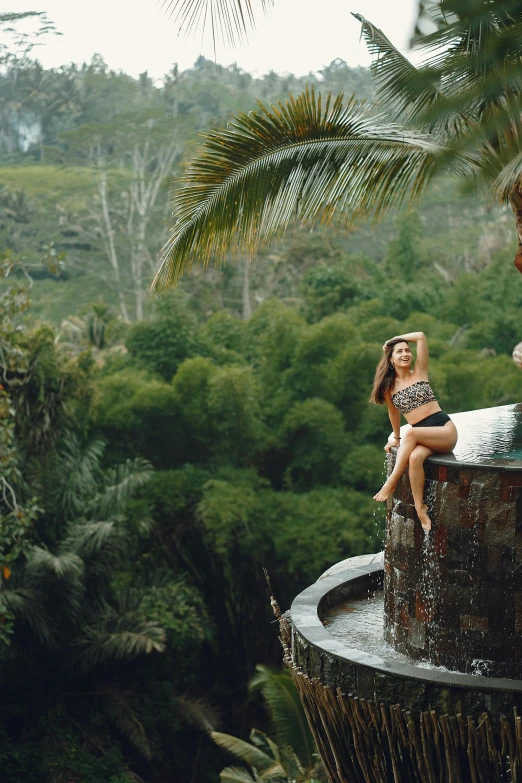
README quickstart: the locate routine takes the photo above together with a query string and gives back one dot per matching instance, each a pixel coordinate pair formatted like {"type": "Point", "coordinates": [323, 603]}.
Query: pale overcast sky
{"type": "Point", "coordinates": [137, 35]}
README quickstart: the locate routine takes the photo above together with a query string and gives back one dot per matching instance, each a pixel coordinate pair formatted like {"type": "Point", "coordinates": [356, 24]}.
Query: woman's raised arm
{"type": "Point", "coordinates": [422, 359]}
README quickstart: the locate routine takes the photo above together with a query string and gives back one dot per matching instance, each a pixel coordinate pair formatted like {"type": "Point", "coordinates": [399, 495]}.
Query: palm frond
{"type": "Point", "coordinates": [264, 743]}
{"type": "Point", "coordinates": [508, 179]}
{"type": "Point", "coordinates": [403, 88]}
{"type": "Point", "coordinates": [118, 636]}
{"type": "Point", "coordinates": [245, 751]}
{"type": "Point", "coordinates": [197, 712]}
{"type": "Point", "coordinates": [66, 565]}
{"type": "Point", "coordinates": [286, 712]}
{"type": "Point", "coordinates": [88, 539]}
{"type": "Point", "coordinates": [26, 606]}
{"type": "Point", "coordinates": [121, 483]}
{"type": "Point", "coordinates": [133, 776]}
{"type": "Point", "coordinates": [128, 722]}
{"type": "Point", "coordinates": [470, 27]}
{"type": "Point", "coordinates": [306, 159]}
{"type": "Point", "coordinates": [229, 21]}
{"type": "Point", "coordinates": [236, 775]}
{"type": "Point", "coordinates": [78, 472]}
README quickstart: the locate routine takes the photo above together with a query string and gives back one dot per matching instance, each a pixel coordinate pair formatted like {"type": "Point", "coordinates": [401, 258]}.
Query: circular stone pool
{"type": "Point", "coordinates": [413, 703]}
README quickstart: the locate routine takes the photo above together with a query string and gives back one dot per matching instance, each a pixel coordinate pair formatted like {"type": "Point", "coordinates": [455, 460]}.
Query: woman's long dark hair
{"type": "Point", "coordinates": [384, 374]}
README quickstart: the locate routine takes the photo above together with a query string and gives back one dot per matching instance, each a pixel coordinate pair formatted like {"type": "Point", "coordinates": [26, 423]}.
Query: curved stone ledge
{"type": "Point", "coordinates": [319, 655]}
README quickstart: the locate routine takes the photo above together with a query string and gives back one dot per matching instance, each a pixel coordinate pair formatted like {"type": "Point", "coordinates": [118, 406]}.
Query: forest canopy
{"type": "Point", "coordinates": [157, 454]}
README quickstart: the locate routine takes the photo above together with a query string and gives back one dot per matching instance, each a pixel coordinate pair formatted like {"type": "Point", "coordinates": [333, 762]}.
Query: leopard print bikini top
{"type": "Point", "coordinates": [413, 396]}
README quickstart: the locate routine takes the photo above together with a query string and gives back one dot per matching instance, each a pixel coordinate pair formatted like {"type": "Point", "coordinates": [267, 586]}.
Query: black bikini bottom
{"type": "Point", "coordinates": [438, 419]}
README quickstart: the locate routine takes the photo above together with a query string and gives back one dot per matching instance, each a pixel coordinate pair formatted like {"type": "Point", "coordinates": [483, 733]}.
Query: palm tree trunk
{"type": "Point", "coordinates": [516, 203]}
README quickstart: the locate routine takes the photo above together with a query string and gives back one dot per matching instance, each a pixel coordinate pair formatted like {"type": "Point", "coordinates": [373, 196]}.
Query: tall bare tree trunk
{"type": "Point", "coordinates": [111, 247]}
{"type": "Point", "coordinates": [247, 306]}
{"type": "Point", "coordinates": [144, 192]}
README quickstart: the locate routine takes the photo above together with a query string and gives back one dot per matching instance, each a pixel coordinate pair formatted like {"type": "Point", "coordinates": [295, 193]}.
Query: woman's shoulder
{"type": "Point", "coordinates": [404, 384]}
{"type": "Point", "coordinates": [418, 377]}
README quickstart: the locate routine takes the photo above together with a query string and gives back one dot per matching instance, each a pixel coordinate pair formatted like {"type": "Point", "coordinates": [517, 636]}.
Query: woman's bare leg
{"type": "Point", "coordinates": [417, 478]}
{"type": "Point", "coordinates": [438, 439]}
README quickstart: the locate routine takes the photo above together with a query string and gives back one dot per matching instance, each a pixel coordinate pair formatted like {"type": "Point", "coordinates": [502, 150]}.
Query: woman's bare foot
{"type": "Point", "coordinates": [424, 518]}
{"type": "Point", "coordinates": [385, 492]}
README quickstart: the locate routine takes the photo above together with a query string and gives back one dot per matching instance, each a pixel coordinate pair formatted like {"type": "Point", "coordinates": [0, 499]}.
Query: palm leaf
{"type": "Point", "coordinates": [236, 775]}
{"type": "Point", "coordinates": [508, 179]}
{"type": "Point", "coordinates": [67, 565]}
{"type": "Point", "coordinates": [121, 483]}
{"type": "Point", "coordinates": [264, 743]}
{"type": "Point", "coordinates": [307, 160]}
{"type": "Point", "coordinates": [286, 712]}
{"type": "Point", "coordinates": [246, 752]}
{"type": "Point", "coordinates": [410, 92]}
{"type": "Point", "coordinates": [229, 20]}
{"type": "Point", "coordinates": [128, 722]}
{"type": "Point", "coordinates": [77, 471]}
{"type": "Point", "coordinates": [26, 606]}
{"type": "Point", "coordinates": [197, 712]}
{"type": "Point", "coordinates": [89, 539]}
{"type": "Point", "coordinates": [118, 635]}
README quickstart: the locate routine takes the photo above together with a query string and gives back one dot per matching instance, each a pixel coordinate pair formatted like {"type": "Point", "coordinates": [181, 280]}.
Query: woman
{"type": "Point", "coordinates": [409, 392]}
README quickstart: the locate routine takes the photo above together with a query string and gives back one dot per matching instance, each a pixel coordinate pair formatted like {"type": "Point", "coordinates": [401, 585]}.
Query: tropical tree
{"type": "Point", "coordinates": [289, 754]}
{"type": "Point", "coordinates": [78, 620]}
{"type": "Point", "coordinates": [132, 156]}
{"type": "Point", "coordinates": [328, 159]}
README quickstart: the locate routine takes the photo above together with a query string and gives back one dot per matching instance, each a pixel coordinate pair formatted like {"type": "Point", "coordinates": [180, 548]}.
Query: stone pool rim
{"type": "Point", "coordinates": [306, 621]}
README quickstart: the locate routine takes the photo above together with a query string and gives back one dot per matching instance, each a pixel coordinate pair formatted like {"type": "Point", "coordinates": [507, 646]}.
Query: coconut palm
{"type": "Point", "coordinates": [313, 159]}
{"type": "Point", "coordinates": [291, 754]}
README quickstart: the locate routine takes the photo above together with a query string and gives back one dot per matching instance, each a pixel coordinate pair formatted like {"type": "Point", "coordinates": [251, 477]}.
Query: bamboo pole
{"type": "Point", "coordinates": [352, 750]}
{"type": "Point", "coordinates": [471, 753]}
{"type": "Point", "coordinates": [508, 747]}
{"type": "Point", "coordinates": [333, 709]}
{"type": "Point", "coordinates": [495, 762]}
{"type": "Point", "coordinates": [360, 720]}
{"type": "Point", "coordinates": [409, 772]}
{"type": "Point", "coordinates": [518, 734]}
{"type": "Point", "coordinates": [362, 742]}
{"type": "Point", "coordinates": [443, 776]}
{"type": "Point", "coordinates": [391, 744]}
{"type": "Point", "coordinates": [417, 747]}
{"type": "Point", "coordinates": [477, 754]}
{"type": "Point", "coordinates": [377, 735]}
{"type": "Point", "coordinates": [359, 752]}
{"type": "Point", "coordinates": [335, 762]}
{"type": "Point", "coordinates": [309, 705]}
{"type": "Point", "coordinates": [453, 772]}
{"type": "Point", "coordinates": [426, 749]}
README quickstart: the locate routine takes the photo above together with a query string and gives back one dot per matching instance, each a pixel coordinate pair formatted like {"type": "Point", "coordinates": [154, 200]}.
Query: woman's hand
{"type": "Point", "coordinates": [395, 443]}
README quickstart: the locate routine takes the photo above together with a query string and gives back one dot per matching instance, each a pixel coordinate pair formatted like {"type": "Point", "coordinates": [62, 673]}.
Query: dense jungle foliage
{"type": "Point", "coordinates": [155, 456]}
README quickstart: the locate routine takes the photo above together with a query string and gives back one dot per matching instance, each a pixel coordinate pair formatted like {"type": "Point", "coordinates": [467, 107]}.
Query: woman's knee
{"type": "Point", "coordinates": [417, 458]}
{"type": "Point", "coordinates": [409, 437]}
